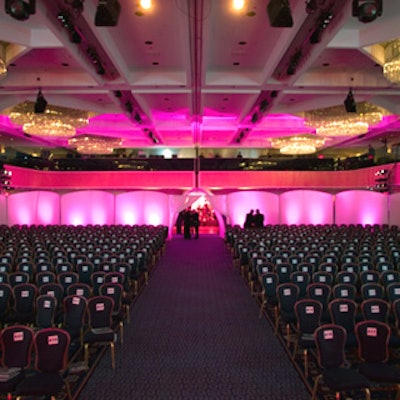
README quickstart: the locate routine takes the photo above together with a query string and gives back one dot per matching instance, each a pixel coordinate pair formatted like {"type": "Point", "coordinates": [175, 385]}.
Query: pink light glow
{"type": "Point", "coordinates": [361, 207]}
{"type": "Point", "coordinates": [306, 207]}
{"type": "Point", "coordinates": [87, 207]}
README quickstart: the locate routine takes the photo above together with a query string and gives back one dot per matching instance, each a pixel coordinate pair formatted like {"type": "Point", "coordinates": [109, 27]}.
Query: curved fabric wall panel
{"type": "Point", "coordinates": [142, 207]}
{"type": "Point", "coordinates": [361, 207]}
{"type": "Point", "coordinates": [36, 207]}
{"type": "Point", "coordinates": [394, 207]}
{"type": "Point", "coordinates": [306, 207]}
{"type": "Point", "coordinates": [3, 209]}
{"type": "Point", "coordinates": [87, 207]}
{"type": "Point", "coordinates": [240, 203]}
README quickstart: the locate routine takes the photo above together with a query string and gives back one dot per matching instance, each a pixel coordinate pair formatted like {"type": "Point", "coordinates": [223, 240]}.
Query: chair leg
{"type": "Point", "coordinates": [112, 349]}
{"type": "Point", "coordinates": [86, 356]}
{"type": "Point", "coordinates": [316, 383]}
{"type": "Point", "coordinates": [121, 332]}
{"type": "Point", "coordinates": [305, 354]}
{"type": "Point", "coordinates": [146, 278]}
{"type": "Point", "coordinates": [367, 394]}
{"type": "Point", "coordinates": [262, 306]}
{"type": "Point", "coordinates": [68, 390]}
{"type": "Point", "coordinates": [135, 287]}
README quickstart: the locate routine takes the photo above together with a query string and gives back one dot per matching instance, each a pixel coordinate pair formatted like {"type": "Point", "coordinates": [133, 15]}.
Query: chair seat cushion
{"type": "Point", "coordinates": [92, 336]}
{"type": "Point", "coordinates": [343, 378]}
{"type": "Point", "coordinates": [40, 384]}
{"type": "Point", "coordinates": [380, 372]}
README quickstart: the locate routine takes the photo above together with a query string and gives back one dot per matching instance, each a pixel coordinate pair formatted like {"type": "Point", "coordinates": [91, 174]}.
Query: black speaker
{"type": "Point", "coordinates": [107, 13]}
{"type": "Point", "coordinates": [279, 14]}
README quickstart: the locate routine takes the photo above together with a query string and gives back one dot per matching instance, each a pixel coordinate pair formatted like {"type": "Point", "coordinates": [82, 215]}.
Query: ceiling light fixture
{"type": "Point", "coordinates": [391, 68]}
{"type": "Point", "coordinates": [336, 121]}
{"type": "Point", "coordinates": [95, 144]}
{"type": "Point", "coordinates": [53, 122]}
{"type": "Point", "coordinates": [20, 10]}
{"type": "Point", "coordinates": [297, 145]}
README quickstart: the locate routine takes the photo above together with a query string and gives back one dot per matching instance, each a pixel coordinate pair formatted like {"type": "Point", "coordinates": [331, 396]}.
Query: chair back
{"type": "Point", "coordinates": [330, 340]}
{"type": "Point", "coordinates": [308, 314]}
{"type": "Point", "coordinates": [100, 309]}
{"type": "Point", "coordinates": [343, 312]}
{"type": "Point", "coordinates": [51, 350]}
{"type": "Point", "coordinates": [373, 341]}
{"type": "Point", "coordinates": [16, 343]}
{"type": "Point", "coordinates": [74, 311]}
{"type": "Point", "coordinates": [375, 309]}
{"type": "Point", "coordinates": [46, 307]}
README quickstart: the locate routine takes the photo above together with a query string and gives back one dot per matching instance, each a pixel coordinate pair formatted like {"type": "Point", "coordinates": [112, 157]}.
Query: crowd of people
{"type": "Point", "coordinates": [254, 219]}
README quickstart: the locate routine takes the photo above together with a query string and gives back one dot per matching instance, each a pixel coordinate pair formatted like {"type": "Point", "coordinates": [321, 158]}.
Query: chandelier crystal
{"type": "Point", "coordinates": [391, 68]}
{"type": "Point", "coordinates": [94, 144]}
{"type": "Point", "coordinates": [335, 121]}
{"type": "Point", "coordinates": [56, 121]}
{"type": "Point", "coordinates": [3, 69]}
{"type": "Point", "coordinates": [297, 145]}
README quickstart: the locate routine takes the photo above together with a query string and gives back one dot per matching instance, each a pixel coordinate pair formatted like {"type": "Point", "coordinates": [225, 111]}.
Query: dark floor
{"type": "Point", "coordinates": [195, 334]}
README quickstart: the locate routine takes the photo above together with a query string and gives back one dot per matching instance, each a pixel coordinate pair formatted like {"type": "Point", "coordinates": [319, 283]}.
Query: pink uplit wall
{"type": "Point", "coordinates": [142, 207]}
{"type": "Point", "coordinates": [361, 207]}
{"type": "Point", "coordinates": [87, 207]}
{"type": "Point", "coordinates": [306, 207]}
{"type": "Point", "coordinates": [3, 209]}
{"type": "Point", "coordinates": [240, 203]}
{"type": "Point", "coordinates": [394, 209]}
{"type": "Point", "coordinates": [36, 207]}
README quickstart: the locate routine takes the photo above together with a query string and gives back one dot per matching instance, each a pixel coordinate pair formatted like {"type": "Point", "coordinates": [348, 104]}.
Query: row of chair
{"type": "Point", "coordinates": [328, 276]}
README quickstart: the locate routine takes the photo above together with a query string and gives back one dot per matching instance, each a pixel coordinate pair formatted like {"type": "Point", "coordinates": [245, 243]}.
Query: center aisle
{"type": "Point", "coordinates": [195, 334]}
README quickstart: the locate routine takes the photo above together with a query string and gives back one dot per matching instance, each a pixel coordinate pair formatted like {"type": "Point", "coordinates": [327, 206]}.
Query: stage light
{"type": "Point", "coordinates": [20, 10]}
{"type": "Point", "coordinates": [279, 14]}
{"type": "Point", "coordinates": [367, 10]}
{"type": "Point", "coordinates": [349, 103]}
{"type": "Point", "coordinates": [107, 13]}
{"type": "Point", "coordinates": [40, 104]}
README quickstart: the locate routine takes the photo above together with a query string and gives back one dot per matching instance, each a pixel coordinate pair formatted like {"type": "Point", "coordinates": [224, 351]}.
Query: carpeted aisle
{"type": "Point", "coordinates": [195, 334]}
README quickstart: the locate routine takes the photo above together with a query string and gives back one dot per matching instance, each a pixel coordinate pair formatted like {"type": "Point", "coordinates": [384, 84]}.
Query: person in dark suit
{"type": "Point", "coordinates": [187, 219]}
{"type": "Point", "coordinates": [195, 223]}
{"type": "Point", "coordinates": [258, 219]}
{"type": "Point", "coordinates": [249, 221]}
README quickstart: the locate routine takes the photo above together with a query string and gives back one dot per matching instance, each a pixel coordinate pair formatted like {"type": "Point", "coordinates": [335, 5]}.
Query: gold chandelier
{"type": "Point", "coordinates": [297, 145]}
{"type": "Point", "coordinates": [391, 68]}
{"type": "Point", "coordinates": [335, 121]}
{"type": "Point", "coordinates": [95, 144]}
{"type": "Point", "coordinates": [53, 122]}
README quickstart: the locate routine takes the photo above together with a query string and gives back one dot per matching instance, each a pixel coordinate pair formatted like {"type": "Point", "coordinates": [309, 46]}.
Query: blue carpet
{"type": "Point", "coordinates": [195, 334]}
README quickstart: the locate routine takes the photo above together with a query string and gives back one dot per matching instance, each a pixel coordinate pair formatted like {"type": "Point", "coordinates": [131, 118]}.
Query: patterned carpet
{"type": "Point", "coordinates": [195, 334]}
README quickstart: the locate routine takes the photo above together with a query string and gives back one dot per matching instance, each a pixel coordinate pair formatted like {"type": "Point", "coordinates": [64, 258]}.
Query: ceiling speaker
{"type": "Point", "coordinates": [279, 14]}
{"type": "Point", "coordinates": [107, 13]}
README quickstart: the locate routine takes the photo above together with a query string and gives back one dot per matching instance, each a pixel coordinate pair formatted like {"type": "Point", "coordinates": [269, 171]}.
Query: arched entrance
{"type": "Point", "coordinates": [210, 220]}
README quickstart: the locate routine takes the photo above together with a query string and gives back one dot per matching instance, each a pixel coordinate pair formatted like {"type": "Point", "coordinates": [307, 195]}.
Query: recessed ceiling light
{"type": "Point", "coordinates": [236, 63]}
{"type": "Point", "coordinates": [148, 42]}
{"type": "Point", "coordinates": [64, 64]}
{"type": "Point", "coordinates": [326, 64]}
{"type": "Point", "coordinates": [155, 63]}
{"type": "Point", "coordinates": [242, 42]}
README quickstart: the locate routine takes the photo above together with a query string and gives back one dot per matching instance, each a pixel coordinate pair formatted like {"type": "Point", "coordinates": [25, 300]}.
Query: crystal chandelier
{"type": "Point", "coordinates": [297, 145]}
{"type": "Point", "coordinates": [335, 121]}
{"type": "Point", "coordinates": [53, 122]}
{"type": "Point", "coordinates": [94, 144]}
{"type": "Point", "coordinates": [391, 68]}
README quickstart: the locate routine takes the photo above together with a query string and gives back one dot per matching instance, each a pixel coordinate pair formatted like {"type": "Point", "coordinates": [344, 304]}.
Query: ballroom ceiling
{"type": "Point", "coordinates": [197, 73]}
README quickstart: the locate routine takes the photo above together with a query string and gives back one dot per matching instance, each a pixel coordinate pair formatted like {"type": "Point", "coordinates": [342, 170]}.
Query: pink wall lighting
{"type": "Point", "coordinates": [142, 207]}
{"type": "Point", "coordinates": [36, 207]}
{"type": "Point", "coordinates": [361, 207]}
{"type": "Point", "coordinates": [394, 207]}
{"type": "Point", "coordinates": [306, 207]}
{"type": "Point", "coordinates": [240, 203]}
{"type": "Point", "coordinates": [87, 207]}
